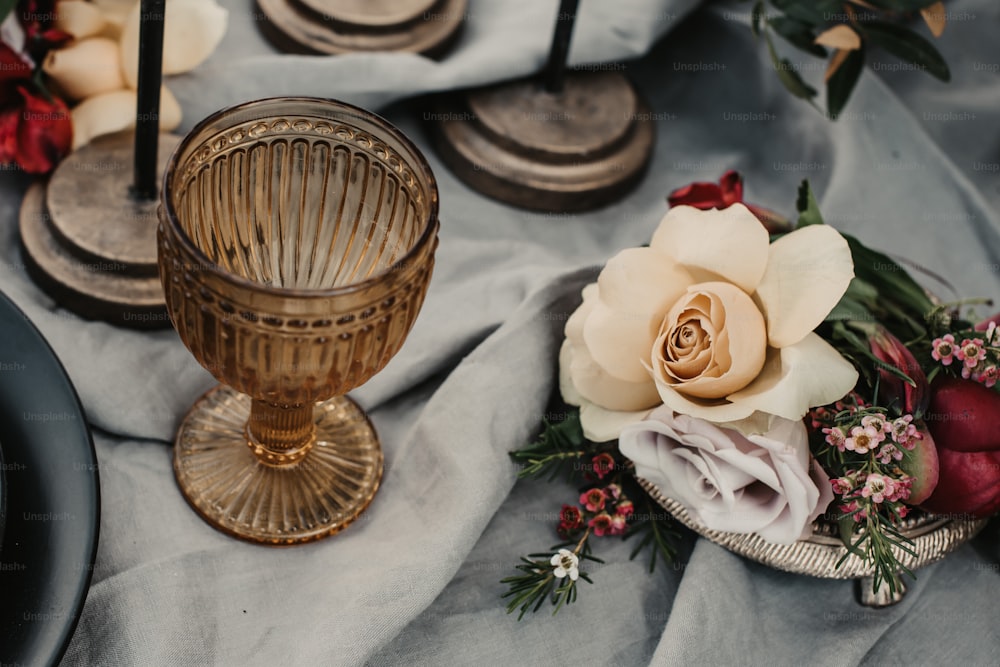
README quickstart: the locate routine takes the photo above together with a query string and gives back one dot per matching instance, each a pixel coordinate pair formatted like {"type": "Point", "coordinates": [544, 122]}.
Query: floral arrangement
{"type": "Point", "coordinates": [846, 27]}
{"type": "Point", "coordinates": [58, 54]}
{"type": "Point", "coordinates": [765, 376]}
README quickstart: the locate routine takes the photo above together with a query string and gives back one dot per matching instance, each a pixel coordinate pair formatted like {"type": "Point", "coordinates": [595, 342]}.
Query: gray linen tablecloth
{"type": "Point", "coordinates": [910, 167]}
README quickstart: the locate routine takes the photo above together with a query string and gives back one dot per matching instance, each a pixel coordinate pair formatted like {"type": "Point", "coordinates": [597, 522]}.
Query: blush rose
{"type": "Point", "coordinates": [765, 483]}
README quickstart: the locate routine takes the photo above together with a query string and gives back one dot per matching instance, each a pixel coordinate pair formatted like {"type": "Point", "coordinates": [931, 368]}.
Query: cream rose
{"type": "Point", "coordinates": [713, 321]}
{"type": "Point", "coordinates": [764, 484]}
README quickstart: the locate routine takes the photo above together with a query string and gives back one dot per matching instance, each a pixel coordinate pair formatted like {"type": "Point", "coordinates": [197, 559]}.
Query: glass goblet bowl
{"type": "Point", "coordinates": [296, 243]}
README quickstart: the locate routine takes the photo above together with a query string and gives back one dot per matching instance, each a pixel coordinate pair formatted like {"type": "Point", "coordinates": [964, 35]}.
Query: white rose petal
{"type": "Point", "coordinates": [807, 273]}
{"type": "Point", "coordinates": [85, 68]}
{"type": "Point", "coordinates": [798, 377]}
{"type": "Point", "coordinates": [635, 289]}
{"type": "Point", "coordinates": [601, 425]}
{"type": "Point", "coordinates": [115, 111]}
{"type": "Point", "coordinates": [582, 381]}
{"type": "Point", "coordinates": [191, 31]}
{"type": "Point", "coordinates": [732, 244]}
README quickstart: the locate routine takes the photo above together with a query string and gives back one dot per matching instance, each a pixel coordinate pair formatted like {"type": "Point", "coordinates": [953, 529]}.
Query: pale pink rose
{"type": "Point", "coordinates": [764, 483]}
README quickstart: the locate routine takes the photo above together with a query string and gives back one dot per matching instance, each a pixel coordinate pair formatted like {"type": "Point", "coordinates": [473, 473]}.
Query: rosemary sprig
{"type": "Point", "coordinates": [659, 533]}
{"type": "Point", "coordinates": [558, 446]}
{"type": "Point", "coordinates": [539, 582]}
{"type": "Point", "coordinates": [874, 544]}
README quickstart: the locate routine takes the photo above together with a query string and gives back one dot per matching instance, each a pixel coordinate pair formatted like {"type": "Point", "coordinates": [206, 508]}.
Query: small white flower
{"type": "Point", "coordinates": [566, 562]}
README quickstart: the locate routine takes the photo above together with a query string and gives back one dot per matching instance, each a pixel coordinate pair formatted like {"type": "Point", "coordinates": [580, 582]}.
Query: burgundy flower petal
{"type": "Point", "coordinates": [45, 133]}
{"type": "Point", "coordinates": [699, 195]}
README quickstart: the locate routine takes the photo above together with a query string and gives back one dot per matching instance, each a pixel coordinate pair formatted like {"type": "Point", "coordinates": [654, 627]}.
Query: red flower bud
{"type": "Point", "coordinates": [893, 390]}
{"type": "Point", "coordinates": [985, 324]}
{"type": "Point", "coordinates": [725, 193]}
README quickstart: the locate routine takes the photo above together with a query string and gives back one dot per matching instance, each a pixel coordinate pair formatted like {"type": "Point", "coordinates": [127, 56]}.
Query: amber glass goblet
{"type": "Point", "coordinates": [296, 242]}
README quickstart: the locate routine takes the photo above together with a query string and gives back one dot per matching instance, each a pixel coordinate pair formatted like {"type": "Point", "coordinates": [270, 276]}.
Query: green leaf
{"type": "Point", "coordinates": [798, 34]}
{"type": "Point", "coordinates": [845, 525]}
{"type": "Point", "coordinates": [6, 6]}
{"type": "Point", "coordinates": [807, 207]}
{"type": "Point", "coordinates": [841, 84]}
{"type": "Point", "coordinates": [888, 277]}
{"type": "Point", "coordinates": [902, 5]}
{"type": "Point", "coordinates": [908, 45]}
{"type": "Point", "coordinates": [814, 12]}
{"type": "Point", "coordinates": [787, 74]}
{"type": "Point", "coordinates": [559, 444]}
{"type": "Point", "coordinates": [660, 534]}
{"type": "Point", "coordinates": [849, 308]}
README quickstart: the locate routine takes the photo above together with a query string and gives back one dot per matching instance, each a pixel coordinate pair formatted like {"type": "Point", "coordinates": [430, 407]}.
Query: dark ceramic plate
{"type": "Point", "coordinates": [3, 497]}
{"type": "Point", "coordinates": [53, 497]}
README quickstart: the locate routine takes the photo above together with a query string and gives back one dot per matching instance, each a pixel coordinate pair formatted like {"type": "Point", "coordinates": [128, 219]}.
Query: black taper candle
{"type": "Point", "coordinates": [555, 70]}
{"type": "Point", "coordinates": [147, 125]}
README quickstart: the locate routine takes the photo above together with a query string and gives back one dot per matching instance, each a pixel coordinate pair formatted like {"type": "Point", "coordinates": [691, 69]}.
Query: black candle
{"type": "Point", "coordinates": [555, 71]}
{"type": "Point", "coordinates": [147, 126]}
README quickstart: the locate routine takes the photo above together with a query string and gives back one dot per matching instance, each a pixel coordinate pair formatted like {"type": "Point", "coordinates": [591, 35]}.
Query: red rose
{"type": "Point", "coordinates": [964, 419]}
{"type": "Point", "coordinates": [35, 132]}
{"type": "Point", "coordinates": [725, 193]}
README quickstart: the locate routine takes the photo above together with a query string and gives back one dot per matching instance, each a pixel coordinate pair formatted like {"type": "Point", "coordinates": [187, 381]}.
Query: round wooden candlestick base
{"type": "Point", "coordinates": [575, 150]}
{"type": "Point", "coordinates": [90, 244]}
{"type": "Point", "coordinates": [333, 27]}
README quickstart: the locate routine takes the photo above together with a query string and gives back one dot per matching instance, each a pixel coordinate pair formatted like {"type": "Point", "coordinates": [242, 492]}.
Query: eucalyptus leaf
{"type": "Point", "coordinates": [841, 84]}
{"type": "Point", "coordinates": [908, 45]}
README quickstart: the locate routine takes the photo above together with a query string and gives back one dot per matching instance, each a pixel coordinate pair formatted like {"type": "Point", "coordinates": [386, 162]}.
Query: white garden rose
{"type": "Point", "coordinates": [712, 320]}
{"type": "Point", "coordinates": [765, 483]}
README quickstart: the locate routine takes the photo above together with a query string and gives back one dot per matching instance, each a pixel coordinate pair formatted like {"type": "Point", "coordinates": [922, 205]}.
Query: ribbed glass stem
{"type": "Point", "coordinates": [280, 431]}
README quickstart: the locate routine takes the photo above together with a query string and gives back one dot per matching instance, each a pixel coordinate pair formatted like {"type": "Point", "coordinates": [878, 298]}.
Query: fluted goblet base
{"type": "Point", "coordinates": [238, 493]}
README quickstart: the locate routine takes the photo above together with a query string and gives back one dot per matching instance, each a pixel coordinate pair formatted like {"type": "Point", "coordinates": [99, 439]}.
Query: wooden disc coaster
{"type": "Point", "coordinates": [90, 244]}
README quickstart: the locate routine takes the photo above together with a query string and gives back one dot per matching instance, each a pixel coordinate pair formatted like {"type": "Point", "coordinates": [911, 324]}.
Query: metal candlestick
{"type": "Point", "coordinates": [572, 141]}
{"type": "Point", "coordinates": [342, 26]}
{"type": "Point", "coordinates": [89, 235]}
